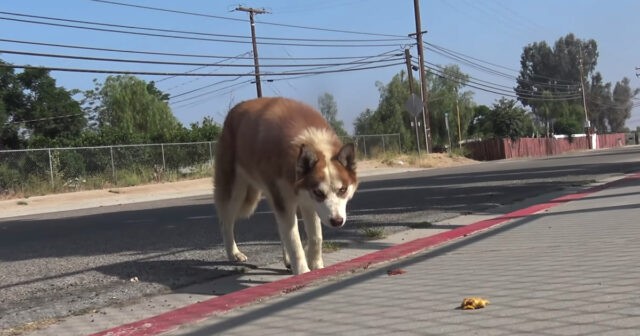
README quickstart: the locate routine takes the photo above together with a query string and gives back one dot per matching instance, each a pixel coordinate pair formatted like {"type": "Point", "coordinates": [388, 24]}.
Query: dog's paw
{"type": "Point", "coordinates": [300, 269]}
{"type": "Point", "coordinates": [316, 264]}
{"type": "Point", "coordinates": [238, 257]}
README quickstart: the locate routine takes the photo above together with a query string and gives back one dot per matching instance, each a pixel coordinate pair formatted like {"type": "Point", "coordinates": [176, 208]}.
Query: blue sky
{"type": "Point", "coordinates": [493, 31]}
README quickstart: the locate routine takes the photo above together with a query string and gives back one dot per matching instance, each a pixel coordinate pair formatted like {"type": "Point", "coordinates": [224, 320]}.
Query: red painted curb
{"type": "Point", "coordinates": [199, 311]}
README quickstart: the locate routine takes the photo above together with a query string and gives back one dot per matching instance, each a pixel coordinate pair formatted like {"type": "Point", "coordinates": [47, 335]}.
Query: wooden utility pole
{"type": "Point", "coordinates": [252, 12]}
{"type": "Point", "coordinates": [423, 77]}
{"type": "Point", "coordinates": [458, 113]}
{"type": "Point", "coordinates": [587, 123]}
{"type": "Point", "coordinates": [584, 96]}
{"type": "Point", "coordinates": [407, 58]}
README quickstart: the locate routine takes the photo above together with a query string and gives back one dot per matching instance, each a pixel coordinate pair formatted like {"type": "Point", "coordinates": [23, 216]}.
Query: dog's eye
{"type": "Point", "coordinates": [318, 193]}
{"type": "Point", "coordinates": [342, 191]}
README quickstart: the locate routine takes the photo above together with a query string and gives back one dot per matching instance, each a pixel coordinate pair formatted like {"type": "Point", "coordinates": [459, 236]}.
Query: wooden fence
{"type": "Point", "coordinates": [497, 149]}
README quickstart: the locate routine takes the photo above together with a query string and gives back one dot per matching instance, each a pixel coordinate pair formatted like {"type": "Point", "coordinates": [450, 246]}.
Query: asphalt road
{"type": "Point", "coordinates": [66, 263]}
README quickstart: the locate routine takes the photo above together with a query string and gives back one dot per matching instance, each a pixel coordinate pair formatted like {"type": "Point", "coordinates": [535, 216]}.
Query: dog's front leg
{"type": "Point", "coordinates": [313, 228]}
{"type": "Point", "coordinates": [288, 228]}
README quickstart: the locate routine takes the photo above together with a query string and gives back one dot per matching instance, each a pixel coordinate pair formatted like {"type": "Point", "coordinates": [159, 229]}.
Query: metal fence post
{"type": "Point", "coordinates": [164, 167]}
{"type": "Point", "coordinates": [211, 152]}
{"type": "Point", "coordinates": [384, 150]}
{"type": "Point", "coordinates": [113, 167]}
{"type": "Point", "coordinates": [364, 145]}
{"type": "Point", "coordinates": [51, 168]}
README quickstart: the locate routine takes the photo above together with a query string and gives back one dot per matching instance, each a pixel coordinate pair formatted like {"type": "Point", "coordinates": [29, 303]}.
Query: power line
{"type": "Point", "coordinates": [210, 92]}
{"type": "Point", "coordinates": [174, 54]}
{"type": "Point", "coordinates": [465, 59]}
{"type": "Point", "coordinates": [152, 73]}
{"type": "Point", "coordinates": [110, 30]}
{"type": "Point", "coordinates": [94, 23]}
{"type": "Point", "coordinates": [200, 68]}
{"type": "Point", "coordinates": [241, 20]}
{"type": "Point", "coordinates": [388, 57]}
{"type": "Point", "coordinates": [43, 119]}
{"type": "Point", "coordinates": [502, 92]}
{"type": "Point", "coordinates": [204, 87]}
{"type": "Point", "coordinates": [274, 79]}
{"type": "Point", "coordinates": [219, 64]}
{"type": "Point", "coordinates": [459, 54]}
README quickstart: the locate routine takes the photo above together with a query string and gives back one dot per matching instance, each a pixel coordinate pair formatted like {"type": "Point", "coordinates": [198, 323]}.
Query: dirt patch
{"type": "Point", "coordinates": [116, 196]}
{"type": "Point", "coordinates": [435, 160]}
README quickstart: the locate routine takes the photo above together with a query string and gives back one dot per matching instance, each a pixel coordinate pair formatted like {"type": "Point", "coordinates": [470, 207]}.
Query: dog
{"type": "Point", "coordinates": [285, 150]}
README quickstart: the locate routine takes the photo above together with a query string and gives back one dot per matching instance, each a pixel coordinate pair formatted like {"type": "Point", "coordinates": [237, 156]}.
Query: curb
{"type": "Point", "coordinates": [172, 320]}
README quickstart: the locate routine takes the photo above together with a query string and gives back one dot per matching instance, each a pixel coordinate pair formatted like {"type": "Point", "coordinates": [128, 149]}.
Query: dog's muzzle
{"type": "Point", "coordinates": [336, 221]}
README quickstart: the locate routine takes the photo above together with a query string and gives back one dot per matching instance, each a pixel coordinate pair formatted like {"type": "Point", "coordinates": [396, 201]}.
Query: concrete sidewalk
{"type": "Point", "coordinates": [566, 267]}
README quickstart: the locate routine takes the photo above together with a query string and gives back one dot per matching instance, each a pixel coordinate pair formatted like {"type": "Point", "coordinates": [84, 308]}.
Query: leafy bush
{"type": "Point", "coordinates": [9, 179]}
{"type": "Point", "coordinates": [72, 164]}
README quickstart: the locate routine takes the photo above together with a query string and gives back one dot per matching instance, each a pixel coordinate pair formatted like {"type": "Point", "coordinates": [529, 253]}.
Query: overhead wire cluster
{"type": "Point", "coordinates": [236, 71]}
{"type": "Point", "coordinates": [562, 90]}
{"type": "Point", "coordinates": [236, 68]}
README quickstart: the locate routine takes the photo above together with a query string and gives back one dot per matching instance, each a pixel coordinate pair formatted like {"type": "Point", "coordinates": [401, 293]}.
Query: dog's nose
{"type": "Point", "coordinates": [336, 221]}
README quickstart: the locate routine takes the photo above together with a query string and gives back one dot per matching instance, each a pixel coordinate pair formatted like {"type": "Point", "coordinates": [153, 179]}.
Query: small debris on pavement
{"type": "Point", "coordinates": [134, 279]}
{"type": "Point", "coordinates": [396, 271]}
{"type": "Point", "coordinates": [474, 303]}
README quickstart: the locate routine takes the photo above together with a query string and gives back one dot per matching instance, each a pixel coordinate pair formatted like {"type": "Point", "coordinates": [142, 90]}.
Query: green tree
{"type": "Point", "coordinates": [207, 130]}
{"type": "Point", "coordinates": [50, 112]}
{"type": "Point", "coordinates": [391, 114]}
{"type": "Point", "coordinates": [506, 120]}
{"type": "Point", "coordinates": [446, 97]}
{"type": "Point", "coordinates": [329, 109]}
{"type": "Point", "coordinates": [35, 112]}
{"type": "Point", "coordinates": [480, 126]}
{"type": "Point", "coordinates": [152, 89]}
{"type": "Point", "coordinates": [363, 122]}
{"type": "Point", "coordinates": [620, 110]}
{"type": "Point", "coordinates": [554, 74]}
{"type": "Point", "coordinates": [570, 122]}
{"type": "Point", "coordinates": [130, 109]}
{"type": "Point", "coordinates": [11, 103]}
{"type": "Point", "coordinates": [599, 102]}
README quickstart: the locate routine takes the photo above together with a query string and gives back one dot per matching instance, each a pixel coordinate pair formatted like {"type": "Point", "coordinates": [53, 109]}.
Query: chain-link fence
{"type": "Point", "coordinates": [39, 171]}
{"type": "Point", "coordinates": [371, 146]}
{"type": "Point", "coordinates": [42, 171]}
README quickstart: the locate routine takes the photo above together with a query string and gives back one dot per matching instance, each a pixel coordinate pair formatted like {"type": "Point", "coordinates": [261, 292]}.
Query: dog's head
{"type": "Point", "coordinates": [328, 181]}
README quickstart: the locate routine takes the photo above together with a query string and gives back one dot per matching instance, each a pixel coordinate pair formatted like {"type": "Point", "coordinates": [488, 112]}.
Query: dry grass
{"type": "Point", "coordinates": [435, 160]}
{"type": "Point", "coordinates": [29, 327]}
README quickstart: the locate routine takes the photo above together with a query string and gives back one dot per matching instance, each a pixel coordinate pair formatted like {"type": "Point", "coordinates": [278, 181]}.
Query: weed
{"type": "Point", "coordinates": [330, 246]}
{"type": "Point", "coordinates": [420, 225]}
{"type": "Point", "coordinates": [373, 233]}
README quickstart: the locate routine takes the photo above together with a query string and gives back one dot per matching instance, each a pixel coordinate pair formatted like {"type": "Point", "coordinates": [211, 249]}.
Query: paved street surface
{"type": "Point", "coordinates": [569, 270]}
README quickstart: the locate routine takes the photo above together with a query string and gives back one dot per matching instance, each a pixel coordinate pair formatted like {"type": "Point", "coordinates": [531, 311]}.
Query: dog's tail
{"type": "Point", "coordinates": [225, 174]}
{"type": "Point", "coordinates": [233, 195]}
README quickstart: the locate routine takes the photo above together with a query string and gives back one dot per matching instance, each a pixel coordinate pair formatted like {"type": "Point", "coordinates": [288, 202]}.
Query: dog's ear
{"type": "Point", "coordinates": [347, 156]}
{"type": "Point", "coordinates": [307, 159]}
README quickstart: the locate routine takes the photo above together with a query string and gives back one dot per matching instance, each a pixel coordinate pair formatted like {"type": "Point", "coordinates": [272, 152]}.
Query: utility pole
{"type": "Point", "coordinates": [423, 77]}
{"type": "Point", "coordinates": [584, 97]}
{"type": "Point", "coordinates": [407, 58]}
{"type": "Point", "coordinates": [458, 113]}
{"type": "Point", "coordinates": [587, 123]}
{"type": "Point", "coordinates": [252, 12]}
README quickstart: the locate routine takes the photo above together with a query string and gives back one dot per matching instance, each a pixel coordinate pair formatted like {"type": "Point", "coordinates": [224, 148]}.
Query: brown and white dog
{"type": "Point", "coordinates": [287, 151]}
